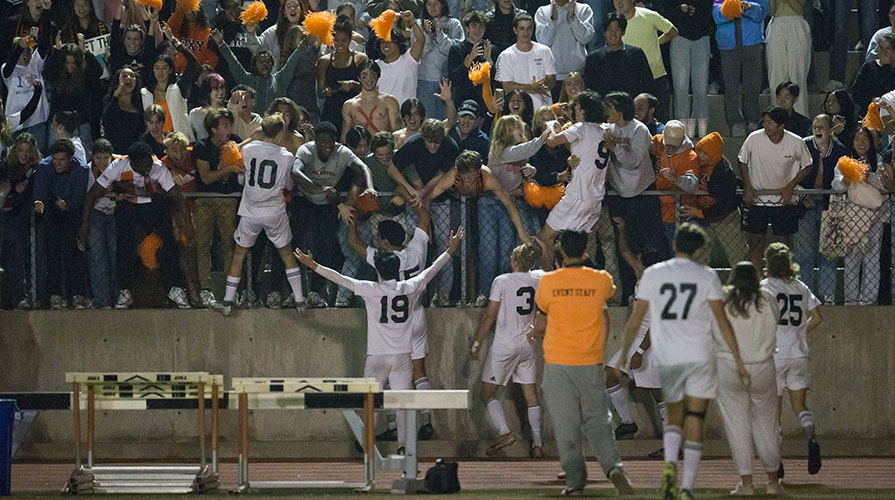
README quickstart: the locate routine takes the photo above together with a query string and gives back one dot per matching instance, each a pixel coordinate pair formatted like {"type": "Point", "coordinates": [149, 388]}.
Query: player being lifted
{"type": "Point", "coordinates": [263, 207]}
{"type": "Point", "coordinates": [512, 355]}
{"type": "Point", "coordinates": [791, 357]}
{"type": "Point", "coordinates": [412, 258]}
{"type": "Point", "coordinates": [682, 296]}
{"type": "Point", "coordinates": [391, 309]}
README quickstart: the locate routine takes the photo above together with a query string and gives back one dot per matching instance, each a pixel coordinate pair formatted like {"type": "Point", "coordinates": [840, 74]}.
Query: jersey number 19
{"type": "Point", "coordinates": [399, 305]}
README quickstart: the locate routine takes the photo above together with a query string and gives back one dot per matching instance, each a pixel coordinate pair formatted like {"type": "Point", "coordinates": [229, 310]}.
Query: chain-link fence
{"type": "Point", "coordinates": [843, 249]}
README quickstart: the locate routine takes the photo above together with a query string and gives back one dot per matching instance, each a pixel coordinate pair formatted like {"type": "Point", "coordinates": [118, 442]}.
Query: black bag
{"type": "Point", "coordinates": [442, 478]}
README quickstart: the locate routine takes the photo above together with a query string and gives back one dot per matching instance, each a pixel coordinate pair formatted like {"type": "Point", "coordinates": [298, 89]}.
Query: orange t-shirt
{"type": "Point", "coordinates": [573, 299]}
{"type": "Point", "coordinates": [196, 42]}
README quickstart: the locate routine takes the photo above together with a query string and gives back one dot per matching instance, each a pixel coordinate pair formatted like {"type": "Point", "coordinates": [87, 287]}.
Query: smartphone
{"type": "Point", "coordinates": [35, 31]}
{"type": "Point", "coordinates": [498, 93]}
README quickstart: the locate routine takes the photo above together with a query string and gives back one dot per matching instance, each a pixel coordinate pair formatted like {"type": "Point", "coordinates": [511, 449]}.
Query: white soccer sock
{"type": "Point", "coordinates": [619, 399]}
{"type": "Point", "coordinates": [807, 421]}
{"type": "Point", "coordinates": [692, 456]}
{"type": "Point", "coordinates": [294, 277]}
{"type": "Point", "coordinates": [671, 440]}
{"type": "Point", "coordinates": [230, 290]}
{"type": "Point", "coordinates": [422, 384]}
{"type": "Point", "coordinates": [663, 411]}
{"type": "Point", "coordinates": [534, 420]}
{"type": "Point", "coordinates": [495, 411]}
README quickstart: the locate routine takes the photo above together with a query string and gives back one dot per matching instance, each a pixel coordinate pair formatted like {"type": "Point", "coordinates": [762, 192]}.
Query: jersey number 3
{"type": "Point", "coordinates": [685, 288]}
{"type": "Point", "coordinates": [267, 173]}
{"type": "Point", "coordinates": [400, 306]}
{"type": "Point", "coordinates": [529, 306]}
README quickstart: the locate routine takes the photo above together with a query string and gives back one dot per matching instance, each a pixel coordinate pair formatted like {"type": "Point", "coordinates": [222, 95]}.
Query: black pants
{"type": "Point", "coordinates": [134, 223]}
{"type": "Point", "coordinates": [15, 255]}
{"type": "Point", "coordinates": [317, 227]}
{"type": "Point", "coordinates": [643, 230]}
{"type": "Point", "coordinates": [61, 266]}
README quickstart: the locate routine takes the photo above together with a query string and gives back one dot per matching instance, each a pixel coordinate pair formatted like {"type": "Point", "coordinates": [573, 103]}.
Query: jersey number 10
{"type": "Point", "coordinates": [267, 173]}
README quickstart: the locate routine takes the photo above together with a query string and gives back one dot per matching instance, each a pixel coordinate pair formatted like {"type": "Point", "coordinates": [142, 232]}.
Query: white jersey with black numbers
{"type": "Point", "coordinates": [389, 304]}
{"type": "Point", "coordinates": [516, 294]}
{"type": "Point", "coordinates": [589, 177]}
{"type": "Point", "coordinates": [268, 169]}
{"type": "Point", "coordinates": [412, 257]}
{"type": "Point", "coordinates": [795, 300]}
{"type": "Point", "coordinates": [678, 291]}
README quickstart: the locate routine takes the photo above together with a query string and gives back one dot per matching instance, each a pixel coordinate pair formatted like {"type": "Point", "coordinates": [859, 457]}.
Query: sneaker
{"type": "Point", "coordinates": [502, 442]}
{"type": "Point", "coordinates": [773, 488]}
{"type": "Point", "coordinates": [57, 302]}
{"type": "Point", "coordinates": [713, 88]}
{"type": "Point", "coordinates": [834, 85]}
{"type": "Point", "coordinates": [625, 431]}
{"type": "Point", "coordinates": [125, 299]}
{"type": "Point", "coordinates": [246, 299]}
{"type": "Point", "coordinates": [79, 302]}
{"type": "Point", "coordinates": [178, 296]}
{"type": "Point", "coordinates": [301, 307]}
{"type": "Point", "coordinates": [316, 301]}
{"type": "Point", "coordinates": [222, 307]}
{"type": "Point", "coordinates": [441, 300]}
{"type": "Point", "coordinates": [342, 302]}
{"type": "Point", "coordinates": [572, 492]}
{"type": "Point", "coordinates": [813, 456]}
{"type": "Point", "coordinates": [738, 130]}
{"type": "Point", "coordinates": [480, 301]}
{"type": "Point", "coordinates": [425, 433]}
{"type": "Point", "coordinates": [388, 435]}
{"type": "Point", "coordinates": [536, 452]}
{"type": "Point", "coordinates": [669, 482]}
{"type": "Point", "coordinates": [742, 491]}
{"type": "Point", "coordinates": [829, 300]}
{"type": "Point", "coordinates": [206, 298]}
{"type": "Point", "coordinates": [687, 495]}
{"type": "Point", "coordinates": [274, 301]}
{"type": "Point", "coordinates": [859, 47]}
{"type": "Point", "coordinates": [620, 481]}
{"type": "Point", "coordinates": [780, 471]}
{"type": "Point", "coordinates": [23, 305]}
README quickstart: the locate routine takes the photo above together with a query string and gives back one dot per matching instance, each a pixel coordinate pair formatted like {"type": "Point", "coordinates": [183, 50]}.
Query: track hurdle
{"type": "Point", "coordinates": [347, 395]}
{"type": "Point", "coordinates": [143, 391]}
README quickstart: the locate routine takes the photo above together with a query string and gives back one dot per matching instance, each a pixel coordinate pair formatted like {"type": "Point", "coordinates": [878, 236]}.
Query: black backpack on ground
{"type": "Point", "coordinates": [442, 478]}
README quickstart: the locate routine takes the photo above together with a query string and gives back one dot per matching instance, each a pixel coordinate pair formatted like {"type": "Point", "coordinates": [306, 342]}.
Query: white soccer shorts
{"type": "Point", "coordinates": [418, 336]}
{"type": "Point", "coordinates": [647, 376]}
{"type": "Point", "coordinates": [792, 374]}
{"type": "Point", "coordinates": [518, 363]}
{"type": "Point", "coordinates": [395, 369]}
{"type": "Point", "coordinates": [276, 227]}
{"type": "Point", "coordinates": [579, 215]}
{"type": "Point", "coordinates": [697, 380]}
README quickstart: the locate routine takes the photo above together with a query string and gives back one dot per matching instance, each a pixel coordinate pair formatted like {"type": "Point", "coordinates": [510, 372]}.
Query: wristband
{"type": "Point", "coordinates": [640, 351]}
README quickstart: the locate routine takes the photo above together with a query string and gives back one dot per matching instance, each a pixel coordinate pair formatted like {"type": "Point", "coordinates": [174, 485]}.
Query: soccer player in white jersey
{"type": "Point", "coordinates": [682, 297]}
{"type": "Point", "coordinates": [391, 236]}
{"type": "Point", "coordinates": [511, 354]}
{"type": "Point", "coordinates": [263, 207]}
{"type": "Point", "coordinates": [391, 308]}
{"type": "Point", "coordinates": [579, 207]}
{"type": "Point", "coordinates": [640, 366]}
{"type": "Point", "coordinates": [799, 315]}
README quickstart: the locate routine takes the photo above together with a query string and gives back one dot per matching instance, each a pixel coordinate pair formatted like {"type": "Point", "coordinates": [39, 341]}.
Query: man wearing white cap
{"type": "Point", "coordinates": [677, 164]}
{"type": "Point", "coordinates": [467, 133]}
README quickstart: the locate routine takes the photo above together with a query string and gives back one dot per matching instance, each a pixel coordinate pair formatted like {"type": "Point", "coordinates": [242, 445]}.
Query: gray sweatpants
{"type": "Point", "coordinates": [576, 398]}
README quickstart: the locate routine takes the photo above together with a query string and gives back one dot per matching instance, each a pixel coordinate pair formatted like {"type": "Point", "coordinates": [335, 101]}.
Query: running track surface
{"type": "Point", "coordinates": [837, 474]}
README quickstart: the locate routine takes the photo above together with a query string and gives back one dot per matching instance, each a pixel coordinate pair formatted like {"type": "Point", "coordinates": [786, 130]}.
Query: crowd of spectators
{"type": "Point", "coordinates": [121, 123]}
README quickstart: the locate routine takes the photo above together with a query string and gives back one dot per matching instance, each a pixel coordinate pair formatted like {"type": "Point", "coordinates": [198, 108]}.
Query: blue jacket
{"type": "Point", "coordinates": [476, 141]}
{"type": "Point", "coordinates": [70, 186]}
{"type": "Point", "coordinates": [752, 24]}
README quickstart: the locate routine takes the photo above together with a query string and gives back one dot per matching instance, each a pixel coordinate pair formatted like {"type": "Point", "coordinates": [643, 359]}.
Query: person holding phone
{"type": "Point", "coordinates": [475, 49]}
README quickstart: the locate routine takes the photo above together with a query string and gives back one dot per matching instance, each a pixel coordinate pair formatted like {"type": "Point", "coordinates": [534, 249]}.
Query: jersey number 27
{"type": "Point", "coordinates": [672, 291]}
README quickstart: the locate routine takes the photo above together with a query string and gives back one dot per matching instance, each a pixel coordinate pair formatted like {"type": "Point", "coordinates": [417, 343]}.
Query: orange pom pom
{"type": "Point", "coordinates": [382, 25]}
{"type": "Point", "coordinates": [487, 95]}
{"type": "Point", "coordinates": [155, 5]}
{"type": "Point", "coordinates": [254, 13]}
{"type": "Point", "coordinates": [230, 154]}
{"type": "Point", "coordinates": [366, 204]}
{"type": "Point", "coordinates": [872, 120]}
{"type": "Point", "coordinates": [533, 195]}
{"type": "Point", "coordinates": [320, 24]}
{"type": "Point", "coordinates": [732, 9]}
{"type": "Point", "coordinates": [188, 5]}
{"type": "Point", "coordinates": [479, 73]}
{"type": "Point", "coordinates": [148, 249]}
{"type": "Point", "coordinates": [852, 170]}
{"type": "Point", "coordinates": [552, 195]}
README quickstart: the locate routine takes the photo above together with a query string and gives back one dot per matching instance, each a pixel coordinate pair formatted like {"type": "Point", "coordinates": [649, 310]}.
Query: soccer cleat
{"type": "Point", "coordinates": [316, 301]}
{"type": "Point", "coordinates": [780, 471]}
{"type": "Point", "coordinates": [814, 462]}
{"type": "Point", "coordinates": [625, 431]}
{"type": "Point", "coordinates": [401, 451]}
{"type": "Point", "coordinates": [178, 297]}
{"type": "Point", "coordinates": [572, 492]}
{"type": "Point", "coordinates": [502, 442]}
{"type": "Point", "coordinates": [536, 452]}
{"type": "Point", "coordinates": [425, 433]}
{"type": "Point", "coordinates": [620, 481]}
{"type": "Point", "coordinates": [774, 488]}
{"type": "Point", "coordinates": [125, 299]}
{"type": "Point", "coordinates": [561, 475]}
{"type": "Point", "coordinates": [388, 435]}
{"type": "Point", "coordinates": [274, 301]}
{"type": "Point", "coordinates": [687, 495]}
{"type": "Point", "coordinates": [57, 302]}
{"type": "Point", "coordinates": [742, 490]}
{"type": "Point", "coordinates": [206, 298]}
{"type": "Point", "coordinates": [224, 308]}
{"type": "Point", "coordinates": [669, 482]}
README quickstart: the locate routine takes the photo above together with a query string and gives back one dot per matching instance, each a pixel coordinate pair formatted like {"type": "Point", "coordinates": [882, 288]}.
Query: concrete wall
{"type": "Point", "coordinates": [852, 395]}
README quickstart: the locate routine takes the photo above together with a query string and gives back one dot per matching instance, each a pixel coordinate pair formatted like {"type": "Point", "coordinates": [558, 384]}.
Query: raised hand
{"type": "Point", "coordinates": [456, 238]}
{"type": "Point", "coordinates": [444, 87]}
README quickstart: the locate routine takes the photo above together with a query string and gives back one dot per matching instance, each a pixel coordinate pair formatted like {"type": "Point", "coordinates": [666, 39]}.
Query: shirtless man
{"type": "Point", "coordinates": [292, 139]}
{"type": "Point", "coordinates": [371, 108]}
{"type": "Point", "coordinates": [413, 112]}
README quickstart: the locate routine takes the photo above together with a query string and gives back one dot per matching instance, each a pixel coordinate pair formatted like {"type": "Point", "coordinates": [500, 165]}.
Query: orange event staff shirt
{"type": "Point", "coordinates": [573, 299]}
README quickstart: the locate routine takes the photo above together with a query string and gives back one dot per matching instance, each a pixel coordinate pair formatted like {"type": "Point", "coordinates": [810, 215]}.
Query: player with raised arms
{"type": "Point", "coordinates": [391, 309]}
{"type": "Point", "coordinates": [512, 355]}
{"type": "Point", "coordinates": [683, 297]}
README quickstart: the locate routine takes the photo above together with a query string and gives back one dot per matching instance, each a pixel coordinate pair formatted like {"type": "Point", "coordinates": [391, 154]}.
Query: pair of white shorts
{"type": "Point", "coordinates": [792, 374]}
{"type": "Point", "coordinates": [645, 377]}
{"type": "Point", "coordinates": [574, 214]}
{"type": "Point", "coordinates": [697, 380]}
{"type": "Point", "coordinates": [503, 363]}
{"type": "Point", "coordinates": [276, 227]}
{"type": "Point", "coordinates": [418, 338]}
{"type": "Point", "coordinates": [395, 369]}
